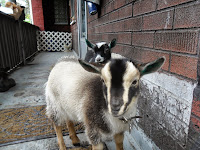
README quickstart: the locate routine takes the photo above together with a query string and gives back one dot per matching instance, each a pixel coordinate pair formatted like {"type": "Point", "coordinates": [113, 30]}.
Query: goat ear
{"type": "Point", "coordinates": [151, 66]}
{"type": "Point", "coordinates": [112, 43]}
{"type": "Point", "coordinates": [89, 44]}
{"type": "Point", "coordinates": [90, 67]}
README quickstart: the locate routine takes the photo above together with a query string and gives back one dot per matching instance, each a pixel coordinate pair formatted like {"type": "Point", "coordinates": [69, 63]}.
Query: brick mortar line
{"type": "Point", "coordinates": [91, 21]}
{"type": "Point", "coordinates": [170, 60]}
{"type": "Point", "coordinates": [113, 21]}
{"type": "Point", "coordinates": [156, 5]}
{"type": "Point", "coordinates": [117, 10]}
{"type": "Point", "coordinates": [180, 99]}
{"type": "Point", "coordinates": [165, 9]}
{"type": "Point", "coordinates": [172, 137]}
{"type": "Point", "coordinates": [181, 77]}
{"type": "Point", "coordinates": [154, 37]}
{"type": "Point", "coordinates": [198, 63]}
{"type": "Point", "coordinates": [142, 22]}
{"type": "Point", "coordinates": [173, 19]}
{"type": "Point", "coordinates": [132, 8]}
{"type": "Point", "coordinates": [191, 139]}
{"type": "Point", "coordinates": [176, 29]}
{"type": "Point", "coordinates": [165, 129]}
{"type": "Point", "coordinates": [195, 116]}
{"type": "Point", "coordinates": [126, 4]}
{"type": "Point", "coordinates": [183, 145]}
{"type": "Point", "coordinates": [124, 19]}
{"type": "Point", "coordinates": [144, 48]}
{"type": "Point", "coordinates": [107, 3]}
{"type": "Point", "coordinates": [114, 10]}
{"type": "Point", "coordinates": [148, 31]}
{"type": "Point", "coordinates": [153, 49]}
{"type": "Point", "coordinates": [184, 54]}
{"type": "Point", "coordinates": [181, 4]}
{"type": "Point", "coordinates": [198, 45]}
{"type": "Point", "coordinates": [131, 38]}
{"type": "Point", "coordinates": [102, 7]}
{"type": "Point", "coordinates": [160, 30]}
{"type": "Point", "coordinates": [175, 115]}
{"type": "Point", "coordinates": [160, 50]}
{"type": "Point", "coordinates": [111, 33]}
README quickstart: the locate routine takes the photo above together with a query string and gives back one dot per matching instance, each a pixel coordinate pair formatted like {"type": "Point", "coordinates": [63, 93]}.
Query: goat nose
{"type": "Point", "coordinates": [115, 107]}
{"type": "Point", "coordinates": [115, 110]}
{"type": "Point", "coordinates": [98, 59]}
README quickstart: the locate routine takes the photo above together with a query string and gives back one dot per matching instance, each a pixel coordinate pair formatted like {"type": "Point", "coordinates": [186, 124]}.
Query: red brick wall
{"type": "Point", "coordinates": [37, 10]}
{"type": "Point", "coordinates": [170, 27]}
{"type": "Point", "coordinates": [146, 29]}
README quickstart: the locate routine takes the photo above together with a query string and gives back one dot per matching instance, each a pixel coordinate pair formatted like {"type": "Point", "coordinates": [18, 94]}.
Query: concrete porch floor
{"type": "Point", "coordinates": [29, 91]}
{"type": "Point", "coordinates": [30, 80]}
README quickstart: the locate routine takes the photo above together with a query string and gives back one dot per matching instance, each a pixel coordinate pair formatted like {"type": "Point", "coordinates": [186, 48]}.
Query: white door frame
{"type": "Point", "coordinates": [79, 24]}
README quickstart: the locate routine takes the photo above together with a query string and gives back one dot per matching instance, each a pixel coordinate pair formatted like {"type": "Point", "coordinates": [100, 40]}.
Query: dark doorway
{"type": "Point", "coordinates": [56, 15]}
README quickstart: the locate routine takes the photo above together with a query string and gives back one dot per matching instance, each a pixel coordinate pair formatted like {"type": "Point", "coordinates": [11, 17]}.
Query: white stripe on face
{"type": "Point", "coordinates": [132, 73]}
{"type": "Point", "coordinates": [99, 58]}
{"type": "Point", "coordinates": [100, 44]}
{"type": "Point", "coordinates": [106, 76]}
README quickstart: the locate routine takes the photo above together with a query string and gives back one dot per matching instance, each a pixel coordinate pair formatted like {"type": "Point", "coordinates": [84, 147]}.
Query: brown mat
{"type": "Point", "coordinates": [26, 124]}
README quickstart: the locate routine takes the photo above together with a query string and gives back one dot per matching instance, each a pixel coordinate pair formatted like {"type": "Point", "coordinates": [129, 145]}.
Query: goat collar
{"type": "Point", "coordinates": [126, 120]}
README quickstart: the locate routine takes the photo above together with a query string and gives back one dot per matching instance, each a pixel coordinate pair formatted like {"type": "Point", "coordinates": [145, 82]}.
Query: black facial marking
{"type": "Point", "coordinates": [103, 48]}
{"type": "Point", "coordinates": [117, 69]}
{"type": "Point", "coordinates": [116, 99]}
{"type": "Point", "coordinates": [133, 92]}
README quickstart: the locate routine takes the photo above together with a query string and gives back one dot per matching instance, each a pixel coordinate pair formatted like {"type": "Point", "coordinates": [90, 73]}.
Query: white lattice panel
{"type": "Point", "coordinates": [53, 41]}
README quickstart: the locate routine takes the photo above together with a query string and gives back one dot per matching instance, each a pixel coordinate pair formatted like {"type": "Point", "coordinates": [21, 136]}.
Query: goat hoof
{"type": "Point", "coordinates": [75, 140]}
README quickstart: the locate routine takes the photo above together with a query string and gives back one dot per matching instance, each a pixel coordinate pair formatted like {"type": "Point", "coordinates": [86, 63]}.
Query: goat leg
{"type": "Point", "coordinates": [119, 141]}
{"type": "Point", "coordinates": [72, 134]}
{"type": "Point", "coordinates": [61, 143]}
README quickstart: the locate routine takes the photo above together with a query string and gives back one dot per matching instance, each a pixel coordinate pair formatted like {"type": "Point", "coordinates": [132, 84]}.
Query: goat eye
{"type": "Point", "coordinates": [103, 81]}
{"type": "Point", "coordinates": [134, 82]}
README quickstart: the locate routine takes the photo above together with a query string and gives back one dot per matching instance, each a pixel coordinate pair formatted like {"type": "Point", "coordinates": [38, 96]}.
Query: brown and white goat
{"type": "Point", "coordinates": [99, 96]}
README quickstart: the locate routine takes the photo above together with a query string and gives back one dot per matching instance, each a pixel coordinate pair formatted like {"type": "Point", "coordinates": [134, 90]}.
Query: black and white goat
{"type": "Point", "coordinates": [104, 97]}
{"type": "Point", "coordinates": [100, 52]}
